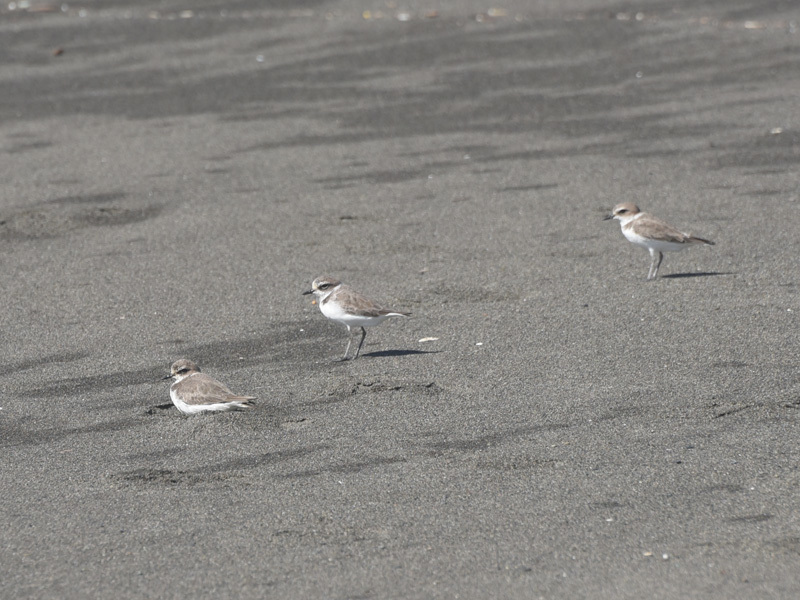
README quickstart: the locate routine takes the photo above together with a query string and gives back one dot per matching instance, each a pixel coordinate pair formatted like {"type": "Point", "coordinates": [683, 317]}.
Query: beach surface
{"type": "Point", "coordinates": [547, 424]}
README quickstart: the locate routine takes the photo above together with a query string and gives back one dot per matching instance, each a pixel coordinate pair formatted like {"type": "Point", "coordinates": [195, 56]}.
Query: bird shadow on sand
{"type": "Point", "coordinates": [151, 410]}
{"type": "Point", "coordinates": [701, 274]}
{"type": "Point", "coordinates": [385, 353]}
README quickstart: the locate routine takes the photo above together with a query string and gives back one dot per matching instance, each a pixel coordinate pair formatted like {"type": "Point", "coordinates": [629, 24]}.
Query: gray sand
{"type": "Point", "coordinates": [170, 184]}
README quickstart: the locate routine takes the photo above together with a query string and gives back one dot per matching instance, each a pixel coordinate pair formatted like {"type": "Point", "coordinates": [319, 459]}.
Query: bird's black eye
{"type": "Point", "coordinates": [182, 371]}
{"type": "Point", "coordinates": [622, 211]}
{"type": "Point", "coordinates": [324, 286]}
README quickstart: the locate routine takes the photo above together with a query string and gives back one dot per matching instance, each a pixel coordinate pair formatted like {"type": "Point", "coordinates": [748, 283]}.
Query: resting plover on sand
{"type": "Point", "coordinates": [195, 392]}
{"type": "Point", "coordinates": [654, 234]}
{"type": "Point", "coordinates": [344, 305]}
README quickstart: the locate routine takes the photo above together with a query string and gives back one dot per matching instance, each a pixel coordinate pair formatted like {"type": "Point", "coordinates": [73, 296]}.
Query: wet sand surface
{"type": "Point", "coordinates": [172, 181]}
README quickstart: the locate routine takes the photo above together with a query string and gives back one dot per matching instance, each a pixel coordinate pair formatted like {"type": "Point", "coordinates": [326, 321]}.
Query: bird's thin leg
{"type": "Point", "coordinates": [658, 264]}
{"type": "Point", "coordinates": [349, 341]}
{"type": "Point", "coordinates": [653, 267]}
{"type": "Point", "coordinates": [363, 335]}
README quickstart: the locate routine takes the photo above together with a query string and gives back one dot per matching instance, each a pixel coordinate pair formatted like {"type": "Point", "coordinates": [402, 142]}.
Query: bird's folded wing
{"type": "Point", "coordinates": [363, 305]}
{"type": "Point", "coordinates": [202, 389]}
{"type": "Point", "coordinates": [655, 229]}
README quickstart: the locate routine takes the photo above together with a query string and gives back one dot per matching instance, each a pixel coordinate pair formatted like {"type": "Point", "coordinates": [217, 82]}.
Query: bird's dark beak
{"type": "Point", "coordinates": [608, 216]}
{"type": "Point", "coordinates": [166, 377]}
{"type": "Point", "coordinates": [308, 292]}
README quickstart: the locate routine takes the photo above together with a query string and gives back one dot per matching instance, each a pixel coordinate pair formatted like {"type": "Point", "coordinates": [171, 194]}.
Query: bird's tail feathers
{"type": "Point", "coordinates": [698, 240]}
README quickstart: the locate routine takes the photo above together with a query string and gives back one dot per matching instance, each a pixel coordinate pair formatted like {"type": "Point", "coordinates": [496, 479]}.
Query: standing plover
{"type": "Point", "coordinates": [344, 305]}
{"type": "Point", "coordinates": [195, 392]}
{"type": "Point", "coordinates": [654, 234]}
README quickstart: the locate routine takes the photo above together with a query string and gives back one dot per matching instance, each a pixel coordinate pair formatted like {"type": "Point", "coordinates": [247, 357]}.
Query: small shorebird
{"type": "Point", "coordinates": [344, 305]}
{"type": "Point", "coordinates": [654, 234]}
{"type": "Point", "coordinates": [195, 392]}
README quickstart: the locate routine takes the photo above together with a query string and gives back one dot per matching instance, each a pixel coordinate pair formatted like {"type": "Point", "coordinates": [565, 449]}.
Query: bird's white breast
{"type": "Point", "coordinates": [335, 312]}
